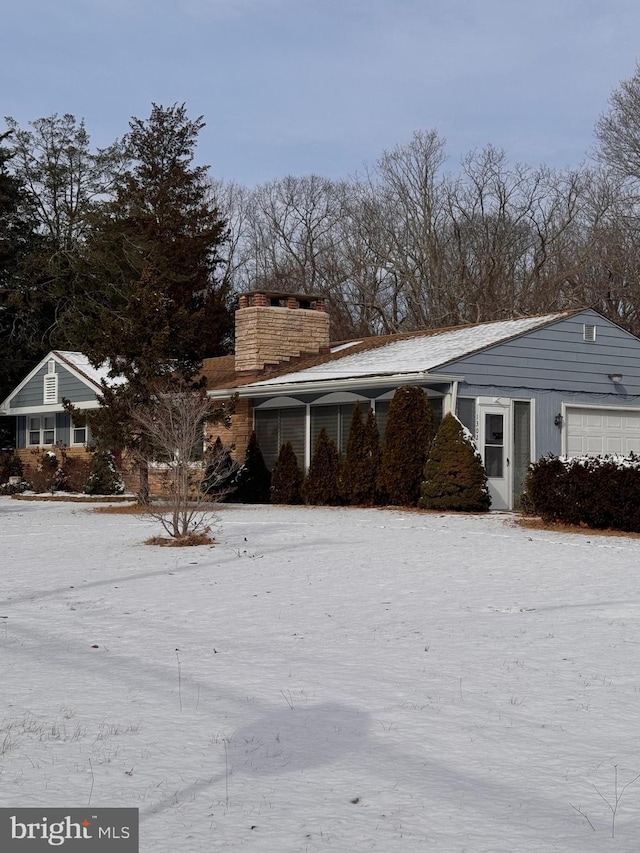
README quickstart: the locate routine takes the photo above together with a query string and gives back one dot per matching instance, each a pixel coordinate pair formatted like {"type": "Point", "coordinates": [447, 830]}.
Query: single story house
{"type": "Point", "coordinates": [565, 383]}
{"type": "Point", "coordinates": [36, 403]}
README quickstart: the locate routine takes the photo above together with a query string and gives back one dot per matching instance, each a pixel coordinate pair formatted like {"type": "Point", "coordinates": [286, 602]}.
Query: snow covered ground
{"type": "Point", "coordinates": [324, 680]}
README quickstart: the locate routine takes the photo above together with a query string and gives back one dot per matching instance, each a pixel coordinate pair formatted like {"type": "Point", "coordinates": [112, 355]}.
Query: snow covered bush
{"type": "Point", "coordinates": [10, 465]}
{"type": "Point", "coordinates": [286, 477]}
{"type": "Point", "coordinates": [104, 478]}
{"type": "Point", "coordinates": [321, 486]}
{"type": "Point", "coordinates": [408, 438]}
{"type": "Point", "coordinates": [361, 463]}
{"type": "Point", "coordinates": [600, 492]}
{"type": "Point", "coordinates": [454, 476]}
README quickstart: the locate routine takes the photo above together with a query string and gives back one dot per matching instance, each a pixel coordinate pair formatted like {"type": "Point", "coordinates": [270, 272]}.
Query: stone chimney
{"type": "Point", "coordinates": [275, 327]}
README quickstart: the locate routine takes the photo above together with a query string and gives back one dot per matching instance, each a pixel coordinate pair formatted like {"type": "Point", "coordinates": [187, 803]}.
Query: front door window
{"type": "Point", "coordinates": [494, 444]}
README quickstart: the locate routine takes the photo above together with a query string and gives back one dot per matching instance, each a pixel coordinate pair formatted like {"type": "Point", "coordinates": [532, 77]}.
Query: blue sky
{"type": "Point", "coordinates": [323, 86]}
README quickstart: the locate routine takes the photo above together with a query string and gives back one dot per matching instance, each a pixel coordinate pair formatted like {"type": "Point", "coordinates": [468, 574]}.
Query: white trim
{"type": "Point", "coordinates": [329, 385]}
{"type": "Point", "coordinates": [45, 410]}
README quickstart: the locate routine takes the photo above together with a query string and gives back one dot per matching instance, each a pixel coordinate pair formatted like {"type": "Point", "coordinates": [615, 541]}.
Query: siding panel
{"type": "Point", "coordinates": [556, 357]}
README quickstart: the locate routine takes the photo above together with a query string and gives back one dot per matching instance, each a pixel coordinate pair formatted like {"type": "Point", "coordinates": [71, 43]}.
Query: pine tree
{"type": "Point", "coordinates": [321, 485]}
{"type": "Point", "coordinates": [454, 477]}
{"type": "Point", "coordinates": [286, 477]}
{"type": "Point", "coordinates": [361, 461]}
{"type": "Point", "coordinates": [408, 437]}
{"type": "Point", "coordinates": [151, 305]}
{"type": "Point", "coordinates": [254, 479]}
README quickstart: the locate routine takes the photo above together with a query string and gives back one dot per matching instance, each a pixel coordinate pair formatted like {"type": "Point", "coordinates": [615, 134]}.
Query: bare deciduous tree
{"type": "Point", "coordinates": [173, 425]}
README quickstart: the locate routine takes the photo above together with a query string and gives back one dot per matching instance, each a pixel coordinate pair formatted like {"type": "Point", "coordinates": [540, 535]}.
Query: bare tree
{"type": "Point", "coordinates": [173, 426]}
{"type": "Point", "coordinates": [618, 130]}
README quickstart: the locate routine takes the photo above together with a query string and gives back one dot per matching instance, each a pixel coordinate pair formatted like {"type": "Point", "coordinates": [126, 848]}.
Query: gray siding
{"type": "Point", "coordinates": [548, 404]}
{"type": "Point", "coordinates": [70, 388]}
{"type": "Point", "coordinates": [557, 358]}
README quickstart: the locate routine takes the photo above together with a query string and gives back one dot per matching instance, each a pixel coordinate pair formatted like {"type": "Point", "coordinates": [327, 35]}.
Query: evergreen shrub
{"type": "Point", "coordinates": [104, 478]}
{"type": "Point", "coordinates": [220, 472]}
{"type": "Point", "coordinates": [454, 476]}
{"type": "Point", "coordinates": [361, 463]}
{"type": "Point", "coordinates": [286, 477]}
{"type": "Point", "coordinates": [597, 492]}
{"type": "Point", "coordinates": [321, 486]}
{"type": "Point", "coordinates": [253, 480]}
{"type": "Point", "coordinates": [408, 437]}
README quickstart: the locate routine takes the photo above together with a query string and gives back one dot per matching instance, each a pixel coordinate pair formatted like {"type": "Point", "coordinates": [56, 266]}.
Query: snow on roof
{"type": "Point", "coordinates": [415, 354]}
{"type": "Point", "coordinates": [81, 363]}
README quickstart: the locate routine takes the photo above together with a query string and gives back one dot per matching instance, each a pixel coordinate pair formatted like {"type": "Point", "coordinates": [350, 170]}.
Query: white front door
{"type": "Point", "coordinates": [495, 449]}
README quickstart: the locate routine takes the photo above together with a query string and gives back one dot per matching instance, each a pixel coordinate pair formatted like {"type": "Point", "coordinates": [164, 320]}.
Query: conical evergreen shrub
{"type": "Point", "coordinates": [362, 460]}
{"type": "Point", "coordinates": [286, 477]}
{"type": "Point", "coordinates": [104, 478]}
{"type": "Point", "coordinates": [254, 479]}
{"type": "Point", "coordinates": [321, 485]}
{"type": "Point", "coordinates": [408, 437]}
{"type": "Point", "coordinates": [454, 476]}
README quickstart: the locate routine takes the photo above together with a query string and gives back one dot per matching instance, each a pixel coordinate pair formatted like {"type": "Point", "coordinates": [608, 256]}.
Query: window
{"type": "Point", "coordinates": [521, 445]}
{"type": "Point", "coordinates": [275, 427]}
{"type": "Point", "coordinates": [42, 430]}
{"type": "Point", "coordinates": [79, 434]}
{"type": "Point", "coordinates": [466, 413]}
{"type": "Point", "coordinates": [336, 420]}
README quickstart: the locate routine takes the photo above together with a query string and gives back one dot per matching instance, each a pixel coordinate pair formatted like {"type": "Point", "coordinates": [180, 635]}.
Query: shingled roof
{"type": "Point", "coordinates": [408, 352]}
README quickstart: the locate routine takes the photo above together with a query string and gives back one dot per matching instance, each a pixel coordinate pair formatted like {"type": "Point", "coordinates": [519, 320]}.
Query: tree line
{"type": "Point", "coordinates": [134, 253]}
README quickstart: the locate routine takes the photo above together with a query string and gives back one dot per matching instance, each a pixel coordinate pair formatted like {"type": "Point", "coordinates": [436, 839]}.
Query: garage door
{"type": "Point", "coordinates": [594, 432]}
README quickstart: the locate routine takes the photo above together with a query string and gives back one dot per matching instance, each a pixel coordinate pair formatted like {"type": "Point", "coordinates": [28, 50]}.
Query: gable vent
{"type": "Point", "coordinates": [589, 332]}
{"type": "Point", "coordinates": [50, 389]}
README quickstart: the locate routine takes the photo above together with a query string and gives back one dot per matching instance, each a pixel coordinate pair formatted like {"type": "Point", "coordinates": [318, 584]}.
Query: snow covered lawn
{"type": "Point", "coordinates": [323, 680]}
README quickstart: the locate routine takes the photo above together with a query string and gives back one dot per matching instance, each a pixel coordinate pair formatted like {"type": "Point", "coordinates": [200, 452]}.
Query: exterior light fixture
{"type": "Point", "coordinates": [615, 377]}
{"type": "Point", "coordinates": [558, 420]}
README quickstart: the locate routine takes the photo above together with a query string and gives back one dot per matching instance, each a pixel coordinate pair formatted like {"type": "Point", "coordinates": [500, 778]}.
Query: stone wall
{"type": "Point", "coordinates": [237, 435]}
{"type": "Point", "coordinates": [270, 335]}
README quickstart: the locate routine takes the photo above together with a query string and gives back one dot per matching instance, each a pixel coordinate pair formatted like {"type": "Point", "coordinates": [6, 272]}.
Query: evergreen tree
{"type": "Point", "coordinates": [286, 477]}
{"type": "Point", "coordinates": [454, 476]}
{"type": "Point", "coordinates": [151, 306]}
{"type": "Point", "coordinates": [408, 438]}
{"type": "Point", "coordinates": [254, 479]}
{"type": "Point", "coordinates": [21, 344]}
{"type": "Point", "coordinates": [321, 486]}
{"type": "Point", "coordinates": [361, 461]}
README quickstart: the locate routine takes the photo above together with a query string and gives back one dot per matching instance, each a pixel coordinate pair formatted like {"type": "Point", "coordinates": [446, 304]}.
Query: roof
{"type": "Point", "coordinates": [388, 355]}
{"type": "Point", "coordinates": [81, 364]}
